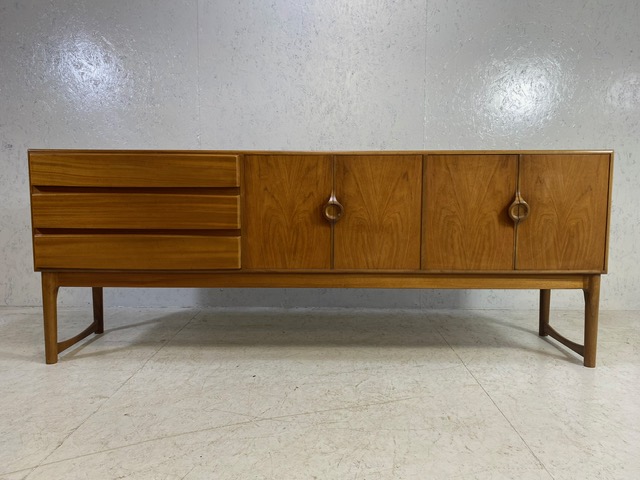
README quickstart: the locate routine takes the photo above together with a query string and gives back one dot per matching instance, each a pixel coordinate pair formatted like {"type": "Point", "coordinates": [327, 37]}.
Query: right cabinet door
{"type": "Point", "coordinates": [567, 225]}
{"type": "Point", "coordinates": [380, 228]}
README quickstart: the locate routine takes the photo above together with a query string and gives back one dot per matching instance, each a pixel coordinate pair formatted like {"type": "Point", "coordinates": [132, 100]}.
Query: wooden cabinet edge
{"type": "Point", "coordinates": [605, 268]}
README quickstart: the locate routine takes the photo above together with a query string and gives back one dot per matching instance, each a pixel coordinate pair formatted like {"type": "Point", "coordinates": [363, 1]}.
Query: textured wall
{"type": "Point", "coordinates": [319, 75]}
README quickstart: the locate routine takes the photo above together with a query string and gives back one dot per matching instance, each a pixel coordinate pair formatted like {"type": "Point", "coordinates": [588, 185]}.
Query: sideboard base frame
{"type": "Point", "coordinates": [52, 280]}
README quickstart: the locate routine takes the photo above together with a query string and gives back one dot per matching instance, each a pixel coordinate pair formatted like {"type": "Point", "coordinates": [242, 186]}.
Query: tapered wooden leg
{"type": "Point", "coordinates": [545, 304]}
{"type": "Point", "coordinates": [591, 310]}
{"type": "Point", "coordinates": [50, 315]}
{"type": "Point", "coordinates": [98, 309]}
{"type": "Point", "coordinates": [52, 346]}
{"type": "Point", "coordinates": [592, 303]}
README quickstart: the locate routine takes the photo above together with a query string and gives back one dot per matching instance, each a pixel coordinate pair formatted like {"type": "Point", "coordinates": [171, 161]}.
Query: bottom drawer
{"type": "Point", "coordinates": [137, 252]}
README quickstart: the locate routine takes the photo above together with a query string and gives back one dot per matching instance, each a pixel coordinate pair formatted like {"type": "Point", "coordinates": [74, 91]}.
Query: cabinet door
{"type": "Point", "coordinates": [568, 200]}
{"type": "Point", "coordinates": [466, 222]}
{"type": "Point", "coordinates": [380, 228]}
{"type": "Point", "coordinates": [283, 227]}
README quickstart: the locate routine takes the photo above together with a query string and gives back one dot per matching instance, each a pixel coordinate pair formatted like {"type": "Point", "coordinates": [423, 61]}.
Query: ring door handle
{"type": "Point", "coordinates": [519, 210]}
{"type": "Point", "coordinates": [333, 209]}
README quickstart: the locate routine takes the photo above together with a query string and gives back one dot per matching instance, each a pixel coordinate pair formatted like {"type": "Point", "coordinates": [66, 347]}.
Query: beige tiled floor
{"type": "Point", "coordinates": [326, 394]}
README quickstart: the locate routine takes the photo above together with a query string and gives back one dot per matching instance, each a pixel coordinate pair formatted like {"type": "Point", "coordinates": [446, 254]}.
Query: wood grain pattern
{"type": "Point", "coordinates": [50, 288]}
{"type": "Point", "coordinates": [133, 169]}
{"type": "Point", "coordinates": [322, 279]}
{"type": "Point", "coordinates": [591, 313]}
{"type": "Point", "coordinates": [283, 196]}
{"type": "Point", "coordinates": [380, 228]}
{"type": "Point", "coordinates": [136, 252]}
{"type": "Point", "coordinates": [135, 210]}
{"type": "Point", "coordinates": [568, 196]}
{"type": "Point", "coordinates": [466, 224]}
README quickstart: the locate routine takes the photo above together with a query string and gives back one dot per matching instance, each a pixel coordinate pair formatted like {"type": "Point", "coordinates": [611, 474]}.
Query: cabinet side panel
{"type": "Point", "coordinates": [283, 199]}
{"type": "Point", "coordinates": [381, 196]}
{"type": "Point", "coordinates": [568, 196]}
{"type": "Point", "coordinates": [466, 222]}
{"type": "Point", "coordinates": [607, 239]}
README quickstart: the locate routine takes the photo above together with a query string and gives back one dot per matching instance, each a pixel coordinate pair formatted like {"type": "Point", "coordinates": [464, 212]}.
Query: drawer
{"type": "Point", "coordinates": [133, 169]}
{"type": "Point", "coordinates": [136, 252]}
{"type": "Point", "coordinates": [135, 210]}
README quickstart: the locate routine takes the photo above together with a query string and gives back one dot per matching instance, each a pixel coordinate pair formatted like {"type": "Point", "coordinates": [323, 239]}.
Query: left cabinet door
{"type": "Point", "coordinates": [466, 226]}
{"type": "Point", "coordinates": [283, 196]}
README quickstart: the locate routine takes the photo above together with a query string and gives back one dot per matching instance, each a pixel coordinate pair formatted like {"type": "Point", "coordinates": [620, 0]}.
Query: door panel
{"type": "Point", "coordinates": [380, 228]}
{"type": "Point", "coordinates": [283, 198]}
{"type": "Point", "coordinates": [568, 198]}
{"type": "Point", "coordinates": [466, 200]}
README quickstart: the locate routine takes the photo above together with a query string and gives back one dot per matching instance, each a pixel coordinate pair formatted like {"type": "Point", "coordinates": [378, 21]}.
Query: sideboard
{"type": "Point", "coordinates": [412, 219]}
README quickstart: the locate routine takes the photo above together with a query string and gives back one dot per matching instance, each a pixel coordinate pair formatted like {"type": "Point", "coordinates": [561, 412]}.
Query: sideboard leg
{"type": "Point", "coordinates": [592, 306]}
{"type": "Point", "coordinates": [98, 309]}
{"type": "Point", "coordinates": [50, 315]}
{"type": "Point", "coordinates": [545, 305]}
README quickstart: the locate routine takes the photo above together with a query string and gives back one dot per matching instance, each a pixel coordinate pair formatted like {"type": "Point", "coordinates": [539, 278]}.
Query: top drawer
{"type": "Point", "coordinates": [133, 169]}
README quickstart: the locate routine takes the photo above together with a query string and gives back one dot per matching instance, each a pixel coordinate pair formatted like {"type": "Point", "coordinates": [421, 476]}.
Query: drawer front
{"type": "Point", "coordinates": [136, 252]}
{"type": "Point", "coordinates": [133, 169]}
{"type": "Point", "coordinates": [135, 210]}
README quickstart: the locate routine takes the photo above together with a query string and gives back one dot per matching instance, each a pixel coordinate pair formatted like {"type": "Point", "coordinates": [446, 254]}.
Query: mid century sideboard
{"type": "Point", "coordinates": [415, 219]}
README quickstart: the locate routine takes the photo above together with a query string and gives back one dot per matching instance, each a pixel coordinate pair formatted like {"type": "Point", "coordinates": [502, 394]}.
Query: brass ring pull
{"type": "Point", "coordinates": [519, 210]}
{"type": "Point", "coordinates": [333, 210]}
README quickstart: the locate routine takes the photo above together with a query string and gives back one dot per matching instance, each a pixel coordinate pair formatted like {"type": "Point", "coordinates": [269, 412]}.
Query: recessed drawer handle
{"type": "Point", "coordinates": [519, 210]}
{"type": "Point", "coordinates": [333, 210]}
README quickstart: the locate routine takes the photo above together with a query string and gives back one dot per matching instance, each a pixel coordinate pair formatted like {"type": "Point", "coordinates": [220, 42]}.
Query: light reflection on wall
{"type": "Point", "coordinates": [91, 72]}
{"type": "Point", "coordinates": [624, 92]}
{"type": "Point", "coordinates": [521, 96]}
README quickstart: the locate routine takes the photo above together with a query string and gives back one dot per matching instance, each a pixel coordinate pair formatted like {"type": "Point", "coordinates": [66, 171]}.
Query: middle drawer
{"type": "Point", "coordinates": [118, 210]}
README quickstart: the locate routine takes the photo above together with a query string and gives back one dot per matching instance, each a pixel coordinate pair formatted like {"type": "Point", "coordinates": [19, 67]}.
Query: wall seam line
{"type": "Point", "coordinates": [424, 81]}
{"type": "Point", "coordinates": [198, 98]}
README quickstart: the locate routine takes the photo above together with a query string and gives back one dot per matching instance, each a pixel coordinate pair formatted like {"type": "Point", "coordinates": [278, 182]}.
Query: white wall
{"type": "Point", "coordinates": [323, 74]}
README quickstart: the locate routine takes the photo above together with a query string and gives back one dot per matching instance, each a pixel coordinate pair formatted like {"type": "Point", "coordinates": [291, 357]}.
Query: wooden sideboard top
{"type": "Point", "coordinates": [323, 152]}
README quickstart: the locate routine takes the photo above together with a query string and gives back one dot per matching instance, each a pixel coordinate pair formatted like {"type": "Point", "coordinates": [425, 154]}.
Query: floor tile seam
{"type": "Point", "coordinates": [162, 345]}
{"type": "Point", "coordinates": [28, 471]}
{"type": "Point", "coordinates": [152, 356]}
{"type": "Point", "coordinates": [524, 442]}
{"type": "Point", "coordinates": [115, 392]}
{"type": "Point", "coordinates": [169, 340]}
{"type": "Point", "coordinates": [75, 429]}
{"type": "Point", "coordinates": [517, 432]}
{"type": "Point", "coordinates": [250, 421]}
{"type": "Point", "coordinates": [446, 342]}
{"type": "Point", "coordinates": [146, 441]}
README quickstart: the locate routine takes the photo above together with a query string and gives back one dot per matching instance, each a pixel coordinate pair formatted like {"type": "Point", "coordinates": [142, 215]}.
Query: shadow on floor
{"type": "Point", "coordinates": [324, 328]}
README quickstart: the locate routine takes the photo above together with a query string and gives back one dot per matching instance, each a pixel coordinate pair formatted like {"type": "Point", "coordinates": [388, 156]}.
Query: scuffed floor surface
{"type": "Point", "coordinates": [318, 394]}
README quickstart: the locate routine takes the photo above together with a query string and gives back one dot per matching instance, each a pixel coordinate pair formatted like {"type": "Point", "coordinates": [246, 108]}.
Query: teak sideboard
{"type": "Point", "coordinates": [424, 219]}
